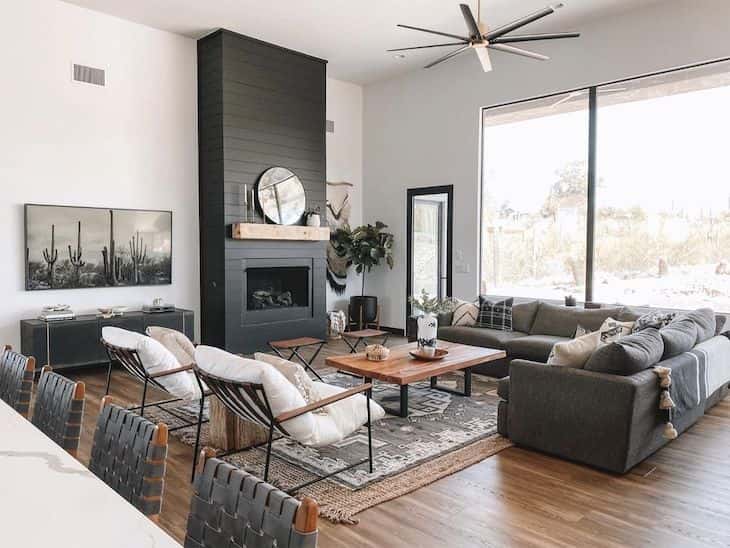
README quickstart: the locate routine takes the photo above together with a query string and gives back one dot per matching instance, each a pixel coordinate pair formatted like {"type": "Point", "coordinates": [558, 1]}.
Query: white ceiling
{"type": "Point", "coordinates": [352, 36]}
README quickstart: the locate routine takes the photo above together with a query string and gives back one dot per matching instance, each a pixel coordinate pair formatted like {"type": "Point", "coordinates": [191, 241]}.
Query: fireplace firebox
{"type": "Point", "coordinates": [277, 287]}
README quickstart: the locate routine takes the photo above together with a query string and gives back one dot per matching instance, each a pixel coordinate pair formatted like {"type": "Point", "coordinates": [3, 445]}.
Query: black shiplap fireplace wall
{"type": "Point", "coordinates": [259, 105]}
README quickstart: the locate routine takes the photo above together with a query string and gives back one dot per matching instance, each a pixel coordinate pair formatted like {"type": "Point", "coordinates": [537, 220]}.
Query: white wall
{"type": "Point", "coordinates": [132, 144]}
{"type": "Point", "coordinates": [344, 163]}
{"type": "Point", "coordinates": [422, 128]}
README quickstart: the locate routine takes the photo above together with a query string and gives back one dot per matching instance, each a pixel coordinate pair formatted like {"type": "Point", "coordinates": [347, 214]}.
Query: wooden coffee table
{"type": "Point", "coordinates": [402, 369]}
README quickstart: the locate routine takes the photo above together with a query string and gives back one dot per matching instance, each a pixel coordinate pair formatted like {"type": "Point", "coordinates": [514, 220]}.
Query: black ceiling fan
{"type": "Point", "coordinates": [481, 39]}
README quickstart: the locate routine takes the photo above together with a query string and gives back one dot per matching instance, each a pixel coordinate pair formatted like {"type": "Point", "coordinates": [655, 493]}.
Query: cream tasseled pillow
{"type": "Point", "coordinates": [176, 342]}
{"type": "Point", "coordinates": [293, 372]}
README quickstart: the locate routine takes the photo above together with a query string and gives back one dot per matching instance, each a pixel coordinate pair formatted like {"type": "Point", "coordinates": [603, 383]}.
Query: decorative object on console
{"type": "Point", "coordinates": [428, 322]}
{"type": "Point", "coordinates": [281, 195]}
{"type": "Point", "coordinates": [56, 312]}
{"type": "Point", "coordinates": [364, 247]}
{"type": "Point", "coordinates": [480, 38]}
{"type": "Point", "coordinates": [495, 315]}
{"type": "Point", "coordinates": [570, 300]}
{"type": "Point", "coordinates": [91, 235]}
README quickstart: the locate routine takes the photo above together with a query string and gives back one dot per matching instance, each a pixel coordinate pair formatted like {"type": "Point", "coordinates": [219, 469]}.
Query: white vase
{"type": "Point", "coordinates": [428, 326]}
{"type": "Point", "coordinates": [313, 220]}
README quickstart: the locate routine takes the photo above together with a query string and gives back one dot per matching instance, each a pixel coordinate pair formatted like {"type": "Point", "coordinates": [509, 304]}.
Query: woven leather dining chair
{"type": "Point", "coordinates": [231, 508]}
{"type": "Point", "coordinates": [59, 408]}
{"type": "Point", "coordinates": [129, 454]}
{"type": "Point", "coordinates": [16, 380]}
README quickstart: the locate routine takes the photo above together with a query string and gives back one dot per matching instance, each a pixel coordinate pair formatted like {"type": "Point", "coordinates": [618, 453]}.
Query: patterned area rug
{"type": "Point", "coordinates": [443, 434]}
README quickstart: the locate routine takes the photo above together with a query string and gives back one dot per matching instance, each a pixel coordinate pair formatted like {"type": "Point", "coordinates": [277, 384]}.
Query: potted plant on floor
{"type": "Point", "coordinates": [428, 323]}
{"type": "Point", "coordinates": [364, 247]}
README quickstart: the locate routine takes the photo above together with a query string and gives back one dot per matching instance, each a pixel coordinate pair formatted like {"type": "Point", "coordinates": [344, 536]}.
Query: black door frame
{"type": "Point", "coordinates": [424, 191]}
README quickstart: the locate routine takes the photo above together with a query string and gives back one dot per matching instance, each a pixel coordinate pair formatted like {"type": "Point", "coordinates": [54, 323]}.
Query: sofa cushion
{"type": "Point", "coordinates": [155, 358]}
{"type": "Point", "coordinates": [503, 388]}
{"type": "Point", "coordinates": [495, 314]}
{"type": "Point", "coordinates": [705, 320]}
{"type": "Point", "coordinates": [523, 314]}
{"type": "Point", "coordinates": [575, 352]}
{"type": "Point", "coordinates": [628, 355]}
{"type": "Point", "coordinates": [562, 321]}
{"type": "Point", "coordinates": [678, 337]}
{"type": "Point", "coordinates": [535, 348]}
{"type": "Point", "coordinates": [478, 336]}
{"type": "Point", "coordinates": [719, 323]}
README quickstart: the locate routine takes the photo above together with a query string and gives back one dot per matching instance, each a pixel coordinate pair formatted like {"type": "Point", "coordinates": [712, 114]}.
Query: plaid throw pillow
{"type": "Point", "coordinates": [495, 315]}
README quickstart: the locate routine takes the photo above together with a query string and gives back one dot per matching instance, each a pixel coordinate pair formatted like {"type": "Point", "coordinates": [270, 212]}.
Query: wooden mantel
{"type": "Point", "coordinates": [249, 231]}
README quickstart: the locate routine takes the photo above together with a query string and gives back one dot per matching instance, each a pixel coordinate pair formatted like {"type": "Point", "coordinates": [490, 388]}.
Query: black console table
{"type": "Point", "coordinates": [76, 343]}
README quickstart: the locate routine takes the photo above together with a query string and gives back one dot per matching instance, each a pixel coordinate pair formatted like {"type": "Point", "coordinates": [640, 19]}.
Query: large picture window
{"type": "Point", "coordinates": [658, 232]}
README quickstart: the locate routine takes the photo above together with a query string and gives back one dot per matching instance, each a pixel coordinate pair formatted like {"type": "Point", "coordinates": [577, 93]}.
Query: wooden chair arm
{"type": "Point", "coordinates": [287, 415]}
{"type": "Point", "coordinates": [172, 371]}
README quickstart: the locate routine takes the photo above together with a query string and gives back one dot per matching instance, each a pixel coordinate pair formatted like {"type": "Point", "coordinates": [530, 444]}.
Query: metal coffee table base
{"type": "Point", "coordinates": [403, 411]}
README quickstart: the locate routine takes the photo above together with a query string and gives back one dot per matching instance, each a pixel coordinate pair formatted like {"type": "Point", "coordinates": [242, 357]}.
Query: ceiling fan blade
{"type": "Point", "coordinates": [533, 37]}
{"type": "Point", "coordinates": [447, 56]}
{"type": "Point", "coordinates": [471, 23]}
{"type": "Point", "coordinates": [429, 46]}
{"type": "Point", "coordinates": [483, 55]}
{"type": "Point", "coordinates": [514, 25]}
{"type": "Point", "coordinates": [462, 38]}
{"type": "Point", "coordinates": [518, 51]}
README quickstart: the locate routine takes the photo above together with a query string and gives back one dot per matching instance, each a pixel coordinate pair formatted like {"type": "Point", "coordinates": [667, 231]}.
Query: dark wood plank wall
{"type": "Point", "coordinates": [261, 106]}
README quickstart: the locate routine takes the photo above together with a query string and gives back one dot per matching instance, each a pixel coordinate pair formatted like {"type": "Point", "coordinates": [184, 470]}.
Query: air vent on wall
{"type": "Point", "coordinates": [330, 125]}
{"type": "Point", "coordinates": [89, 75]}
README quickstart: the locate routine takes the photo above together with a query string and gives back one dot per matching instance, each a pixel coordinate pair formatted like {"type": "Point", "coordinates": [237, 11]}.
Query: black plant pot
{"type": "Point", "coordinates": [363, 310]}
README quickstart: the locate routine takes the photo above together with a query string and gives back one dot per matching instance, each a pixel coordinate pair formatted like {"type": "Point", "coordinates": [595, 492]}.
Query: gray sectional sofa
{"type": "Point", "coordinates": [606, 420]}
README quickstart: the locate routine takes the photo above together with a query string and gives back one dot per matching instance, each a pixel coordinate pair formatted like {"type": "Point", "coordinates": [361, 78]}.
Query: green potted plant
{"type": "Point", "coordinates": [364, 247]}
{"type": "Point", "coordinates": [428, 323]}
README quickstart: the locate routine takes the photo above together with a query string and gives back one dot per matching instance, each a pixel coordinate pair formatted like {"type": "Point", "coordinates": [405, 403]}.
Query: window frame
{"type": "Point", "coordinates": [592, 163]}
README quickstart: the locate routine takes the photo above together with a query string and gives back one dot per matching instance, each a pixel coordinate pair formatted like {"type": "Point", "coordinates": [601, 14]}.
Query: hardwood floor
{"type": "Point", "coordinates": [678, 497]}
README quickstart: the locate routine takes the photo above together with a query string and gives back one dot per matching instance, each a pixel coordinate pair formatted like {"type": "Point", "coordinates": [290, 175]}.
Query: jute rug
{"type": "Point", "coordinates": [443, 434]}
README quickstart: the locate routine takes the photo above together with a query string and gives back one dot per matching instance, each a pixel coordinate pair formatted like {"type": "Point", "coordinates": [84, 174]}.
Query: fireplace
{"type": "Point", "coordinates": [277, 287]}
{"type": "Point", "coordinates": [276, 290]}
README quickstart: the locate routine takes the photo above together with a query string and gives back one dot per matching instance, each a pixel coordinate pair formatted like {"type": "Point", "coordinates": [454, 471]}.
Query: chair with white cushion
{"type": "Point", "coordinates": [275, 394]}
{"type": "Point", "coordinates": [148, 360]}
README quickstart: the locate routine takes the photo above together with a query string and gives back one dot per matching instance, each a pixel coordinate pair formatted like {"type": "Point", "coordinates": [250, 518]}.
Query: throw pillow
{"type": "Point", "coordinates": [293, 372]}
{"type": "Point", "coordinates": [495, 315]}
{"type": "Point", "coordinates": [629, 354]}
{"type": "Point", "coordinates": [655, 319]}
{"type": "Point", "coordinates": [176, 342]}
{"type": "Point", "coordinates": [719, 324]}
{"type": "Point", "coordinates": [679, 337]}
{"type": "Point", "coordinates": [576, 352]}
{"type": "Point", "coordinates": [465, 313]}
{"type": "Point", "coordinates": [612, 330]}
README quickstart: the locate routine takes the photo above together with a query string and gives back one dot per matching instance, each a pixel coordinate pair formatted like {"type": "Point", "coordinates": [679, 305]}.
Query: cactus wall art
{"type": "Point", "coordinates": [75, 247]}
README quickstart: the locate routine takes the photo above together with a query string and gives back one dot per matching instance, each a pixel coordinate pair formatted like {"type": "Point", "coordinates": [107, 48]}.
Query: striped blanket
{"type": "Point", "coordinates": [697, 374]}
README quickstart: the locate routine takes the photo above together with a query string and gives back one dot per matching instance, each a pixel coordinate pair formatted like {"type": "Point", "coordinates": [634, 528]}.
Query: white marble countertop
{"type": "Point", "coordinates": [49, 499]}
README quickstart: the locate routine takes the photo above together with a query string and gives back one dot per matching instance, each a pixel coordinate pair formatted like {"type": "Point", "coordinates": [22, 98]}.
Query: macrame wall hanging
{"type": "Point", "coordinates": [338, 215]}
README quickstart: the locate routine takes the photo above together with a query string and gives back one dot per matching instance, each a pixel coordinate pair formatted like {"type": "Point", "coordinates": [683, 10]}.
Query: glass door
{"type": "Point", "coordinates": [429, 242]}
